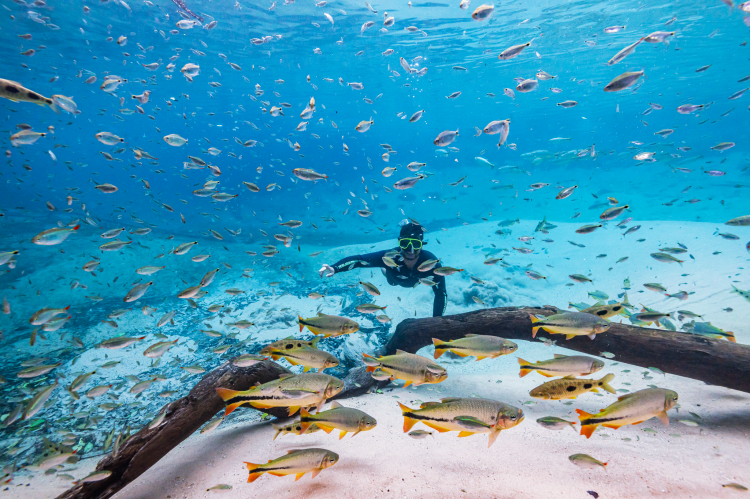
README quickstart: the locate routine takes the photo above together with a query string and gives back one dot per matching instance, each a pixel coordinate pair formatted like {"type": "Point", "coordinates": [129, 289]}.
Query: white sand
{"type": "Point", "coordinates": [527, 461]}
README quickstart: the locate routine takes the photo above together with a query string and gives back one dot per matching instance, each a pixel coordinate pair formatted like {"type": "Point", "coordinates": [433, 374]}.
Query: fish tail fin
{"type": "Point", "coordinates": [534, 320]}
{"type": "Point", "coordinates": [605, 383]}
{"type": "Point", "coordinates": [301, 326]}
{"type": "Point", "coordinates": [441, 351]}
{"type": "Point", "coordinates": [227, 395]}
{"type": "Point", "coordinates": [408, 422]}
{"type": "Point", "coordinates": [586, 429]}
{"type": "Point", "coordinates": [253, 476]}
{"type": "Point", "coordinates": [304, 425]}
{"type": "Point", "coordinates": [524, 365]}
{"type": "Point", "coordinates": [278, 431]}
{"type": "Point", "coordinates": [730, 337]}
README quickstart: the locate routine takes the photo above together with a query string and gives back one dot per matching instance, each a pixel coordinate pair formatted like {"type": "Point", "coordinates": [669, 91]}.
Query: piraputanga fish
{"type": "Point", "coordinates": [465, 415]}
{"type": "Point", "coordinates": [329, 325]}
{"type": "Point", "coordinates": [633, 408]}
{"type": "Point", "coordinates": [412, 368]}
{"type": "Point", "coordinates": [562, 365]}
{"type": "Point", "coordinates": [307, 356]}
{"type": "Point", "coordinates": [292, 391]}
{"type": "Point", "coordinates": [479, 345]}
{"type": "Point", "coordinates": [570, 387]}
{"type": "Point", "coordinates": [338, 417]}
{"type": "Point", "coordinates": [296, 462]}
{"type": "Point", "coordinates": [571, 324]}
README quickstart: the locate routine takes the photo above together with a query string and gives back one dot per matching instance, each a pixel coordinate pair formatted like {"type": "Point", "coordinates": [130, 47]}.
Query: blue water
{"type": "Point", "coordinates": [598, 139]}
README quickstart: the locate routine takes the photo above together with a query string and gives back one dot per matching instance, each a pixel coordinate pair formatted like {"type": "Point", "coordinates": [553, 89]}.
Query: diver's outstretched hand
{"type": "Point", "coordinates": [326, 271]}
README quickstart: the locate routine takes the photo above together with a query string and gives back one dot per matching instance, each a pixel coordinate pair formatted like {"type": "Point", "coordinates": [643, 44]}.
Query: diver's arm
{"type": "Point", "coordinates": [441, 295]}
{"type": "Point", "coordinates": [354, 262]}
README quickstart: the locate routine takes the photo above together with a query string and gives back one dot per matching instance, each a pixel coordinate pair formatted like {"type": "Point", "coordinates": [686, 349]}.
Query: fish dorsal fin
{"type": "Point", "coordinates": [470, 335]}
{"type": "Point", "coordinates": [560, 356]}
{"type": "Point", "coordinates": [428, 404]}
{"type": "Point", "coordinates": [570, 376]}
{"type": "Point", "coordinates": [335, 405]}
{"type": "Point", "coordinates": [449, 399]}
{"type": "Point", "coordinates": [623, 397]}
{"type": "Point", "coordinates": [398, 352]}
{"type": "Point", "coordinates": [289, 338]}
{"type": "Point", "coordinates": [321, 314]}
{"type": "Point", "coordinates": [286, 375]}
{"type": "Point", "coordinates": [290, 451]}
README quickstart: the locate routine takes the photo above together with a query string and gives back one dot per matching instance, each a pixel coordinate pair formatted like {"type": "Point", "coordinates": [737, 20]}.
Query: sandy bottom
{"type": "Point", "coordinates": [526, 461]}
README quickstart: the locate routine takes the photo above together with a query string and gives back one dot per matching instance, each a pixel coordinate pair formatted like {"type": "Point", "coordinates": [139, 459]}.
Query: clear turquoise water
{"type": "Point", "coordinates": [567, 41]}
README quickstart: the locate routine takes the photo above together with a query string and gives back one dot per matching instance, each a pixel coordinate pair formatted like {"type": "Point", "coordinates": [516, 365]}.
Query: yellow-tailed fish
{"type": "Point", "coordinates": [412, 368]}
{"type": "Point", "coordinates": [328, 325]}
{"type": "Point", "coordinates": [310, 357]}
{"type": "Point", "coordinates": [465, 415]}
{"type": "Point", "coordinates": [296, 462]}
{"type": "Point", "coordinates": [570, 324]}
{"type": "Point", "coordinates": [338, 417]}
{"type": "Point", "coordinates": [562, 365]}
{"type": "Point", "coordinates": [478, 345]}
{"type": "Point", "coordinates": [633, 408]}
{"type": "Point", "coordinates": [292, 391]}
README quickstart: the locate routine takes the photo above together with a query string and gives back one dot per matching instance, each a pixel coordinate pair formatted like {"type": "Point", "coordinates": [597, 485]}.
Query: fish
{"type": "Point", "coordinates": [328, 325]}
{"type": "Point", "coordinates": [15, 92]}
{"type": "Point", "coordinates": [586, 461]}
{"type": "Point", "coordinates": [295, 462]}
{"type": "Point", "coordinates": [338, 417]}
{"type": "Point", "coordinates": [468, 416]}
{"type": "Point", "coordinates": [411, 368]}
{"type": "Point", "coordinates": [38, 400]}
{"type": "Point", "coordinates": [54, 236]}
{"type": "Point", "coordinates": [482, 12]}
{"type": "Point", "coordinates": [625, 80]}
{"type": "Point", "coordinates": [480, 346]}
{"type": "Point", "coordinates": [605, 311]}
{"type": "Point", "coordinates": [308, 356]}
{"type": "Point", "coordinates": [570, 387]}
{"type": "Point", "coordinates": [562, 365]}
{"type": "Point", "coordinates": [570, 324]}
{"type": "Point", "coordinates": [288, 343]}
{"type": "Point", "coordinates": [708, 330]}
{"type": "Point", "coordinates": [512, 52]}
{"type": "Point", "coordinates": [291, 391]}
{"type": "Point", "coordinates": [555, 423]}
{"type": "Point", "coordinates": [632, 408]}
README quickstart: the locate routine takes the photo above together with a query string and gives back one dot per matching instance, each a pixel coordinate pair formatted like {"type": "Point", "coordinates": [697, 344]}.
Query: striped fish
{"type": "Point", "coordinates": [633, 408]}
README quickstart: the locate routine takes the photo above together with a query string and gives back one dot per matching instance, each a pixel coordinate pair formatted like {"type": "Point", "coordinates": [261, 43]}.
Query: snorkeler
{"type": "Point", "coordinates": [409, 257]}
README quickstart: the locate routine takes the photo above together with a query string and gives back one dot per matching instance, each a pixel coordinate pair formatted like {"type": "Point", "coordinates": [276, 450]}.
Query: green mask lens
{"type": "Point", "coordinates": [405, 243]}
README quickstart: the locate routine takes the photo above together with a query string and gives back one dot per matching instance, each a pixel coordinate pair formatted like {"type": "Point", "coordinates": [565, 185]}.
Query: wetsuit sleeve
{"type": "Point", "coordinates": [360, 261]}
{"type": "Point", "coordinates": [441, 295]}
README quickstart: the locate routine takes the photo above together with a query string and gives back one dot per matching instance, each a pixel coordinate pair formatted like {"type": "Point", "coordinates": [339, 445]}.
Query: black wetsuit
{"type": "Point", "coordinates": [403, 276]}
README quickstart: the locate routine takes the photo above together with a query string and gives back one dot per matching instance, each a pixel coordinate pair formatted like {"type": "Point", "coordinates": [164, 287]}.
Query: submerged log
{"type": "Point", "coordinates": [713, 361]}
{"type": "Point", "coordinates": [183, 418]}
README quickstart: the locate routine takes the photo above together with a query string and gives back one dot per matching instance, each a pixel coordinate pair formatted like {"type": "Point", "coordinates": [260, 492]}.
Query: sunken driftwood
{"type": "Point", "coordinates": [715, 362]}
{"type": "Point", "coordinates": [184, 417]}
